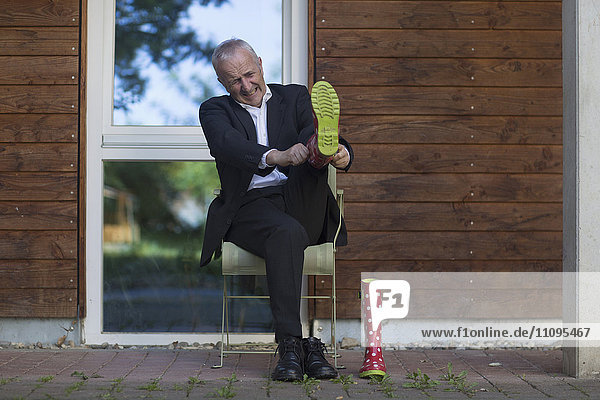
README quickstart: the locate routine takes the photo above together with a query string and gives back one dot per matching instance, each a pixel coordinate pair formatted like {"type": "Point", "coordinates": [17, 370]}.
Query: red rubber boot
{"type": "Point", "coordinates": [373, 363]}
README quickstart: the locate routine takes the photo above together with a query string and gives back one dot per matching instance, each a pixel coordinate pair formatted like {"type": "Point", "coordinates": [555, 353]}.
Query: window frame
{"type": "Point", "coordinates": [108, 142]}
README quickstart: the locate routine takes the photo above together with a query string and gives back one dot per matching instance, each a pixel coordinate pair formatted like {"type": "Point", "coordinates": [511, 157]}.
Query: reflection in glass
{"type": "Point", "coordinates": [163, 49]}
{"type": "Point", "coordinates": [154, 215]}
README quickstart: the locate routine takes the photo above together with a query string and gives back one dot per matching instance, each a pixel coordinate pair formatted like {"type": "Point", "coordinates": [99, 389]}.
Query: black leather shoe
{"type": "Point", "coordinates": [291, 357]}
{"type": "Point", "coordinates": [315, 364]}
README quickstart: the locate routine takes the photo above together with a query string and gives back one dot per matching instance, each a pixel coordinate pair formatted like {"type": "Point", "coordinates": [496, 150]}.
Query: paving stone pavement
{"type": "Point", "coordinates": [82, 373]}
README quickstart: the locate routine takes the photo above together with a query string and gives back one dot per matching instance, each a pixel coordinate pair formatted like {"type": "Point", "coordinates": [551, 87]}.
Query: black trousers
{"type": "Point", "coordinates": [277, 224]}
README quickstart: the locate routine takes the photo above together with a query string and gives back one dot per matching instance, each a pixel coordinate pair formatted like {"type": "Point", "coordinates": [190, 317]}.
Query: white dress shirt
{"type": "Point", "coordinates": [259, 117]}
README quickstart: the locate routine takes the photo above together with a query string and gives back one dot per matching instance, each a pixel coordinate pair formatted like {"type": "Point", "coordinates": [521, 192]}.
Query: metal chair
{"type": "Point", "coordinates": [318, 260]}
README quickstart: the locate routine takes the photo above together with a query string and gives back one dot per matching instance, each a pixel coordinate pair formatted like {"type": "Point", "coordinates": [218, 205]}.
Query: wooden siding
{"type": "Point", "coordinates": [39, 158]}
{"type": "Point", "coordinates": [454, 109]}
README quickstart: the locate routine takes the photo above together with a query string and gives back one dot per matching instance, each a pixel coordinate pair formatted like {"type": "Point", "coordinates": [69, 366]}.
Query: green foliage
{"type": "Point", "coordinates": [155, 186]}
{"type": "Point", "coordinates": [46, 379]}
{"type": "Point", "coordinates": [346, 381]}
{"type": "Point", "coordinates": [420, 381]}
{"type": "Point", "coordinates": [310, 385]}
{"type": "Point", "coordinates": [74, 387]}
{"type": "Point", "coordinates": [4, 381]}
{"type": "Point", "coordinates": [83, 376]}
{"type": "Point", "coordinates": [192, 381]}
{"type": "Point", "coordinates": [458, 382]}
{"type": "Point", "coordinates": [115, 387]}
{"type": "Point", "coordinates": [226, 391]}
{"type": "Point", "coordinates": [199, 178]}
{"type": "Point", "coordinates": [153, 386]}
{"type": "Point", "coordinates": [386, 385]}
{"type": "Point", "coordinates": [153, 28]}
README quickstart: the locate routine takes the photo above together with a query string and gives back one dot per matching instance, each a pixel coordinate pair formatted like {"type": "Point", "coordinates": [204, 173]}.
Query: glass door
{"type": "Point", "coordinates": [150, 176]}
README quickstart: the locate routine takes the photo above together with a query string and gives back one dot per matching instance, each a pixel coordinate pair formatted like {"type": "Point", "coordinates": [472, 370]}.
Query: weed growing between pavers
{"type": "Point", "coordinates": [77, 385]}
{"type": "Point", "coordinates": [191, 383]}
{"type": "Point", "coordinates": [458, 382]}
{"type": "Point", "coordinates": [115, 387]}
{"type": "Point", "coordinates": [4, 381]}
{"type": "Point", "coordinates": [153, 386]}
{"type": "Point", "coordinates": [44, 379]}
{"type": "Point", "coordinates": [386, 385]}
{"type": "Point", "coordinates": [310, 385]}
{"type": "Point", "coordinates": [83, 376]}
{"type": "Point", "coordinates": [226, 392]}
{"type": "Point", "coordinates": [346, 381]}
{"type": "Point", "coordinates": [74, 387]}
{"type": "Point", "coordinates": [577, 388]}
{"type": "Point", "coordinates": [420, 381]}
{"type": "Point", "coordinates": [268, 386]}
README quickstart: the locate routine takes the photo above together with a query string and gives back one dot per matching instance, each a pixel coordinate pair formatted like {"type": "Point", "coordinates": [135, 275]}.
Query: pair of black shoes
{"type": "Point", "coordinates": [302, 356]}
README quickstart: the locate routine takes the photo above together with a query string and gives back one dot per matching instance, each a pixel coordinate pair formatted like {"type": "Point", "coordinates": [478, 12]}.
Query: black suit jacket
{"type": "Point", "coordinates": [231, 137]}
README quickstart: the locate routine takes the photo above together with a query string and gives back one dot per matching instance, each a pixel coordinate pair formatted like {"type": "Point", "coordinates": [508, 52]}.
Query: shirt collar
{"type": "Point", "coordinates": [265, 98]}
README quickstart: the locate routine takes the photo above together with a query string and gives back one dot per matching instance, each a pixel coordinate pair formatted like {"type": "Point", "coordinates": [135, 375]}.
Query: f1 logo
{"type": "Point", "coordinates": [385, 299]}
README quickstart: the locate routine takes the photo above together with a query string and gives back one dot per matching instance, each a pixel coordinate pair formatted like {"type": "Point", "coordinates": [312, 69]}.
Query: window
{"type": "Point", "coordinates": [163, 48]}
{"type": "Point", "coordinates": [148, 71]}
{"type": "Point", "coordinates": [154, 214]}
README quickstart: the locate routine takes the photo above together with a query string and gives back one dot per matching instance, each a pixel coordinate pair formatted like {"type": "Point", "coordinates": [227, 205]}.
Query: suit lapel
{"type": "Point", "coordinates": [275, 108]}
{"type": "Point", "coordinates": [245, 119]}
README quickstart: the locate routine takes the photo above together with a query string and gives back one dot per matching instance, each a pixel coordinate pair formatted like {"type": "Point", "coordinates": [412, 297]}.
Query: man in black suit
{"type": "Point", "coordinates": [273, 203]}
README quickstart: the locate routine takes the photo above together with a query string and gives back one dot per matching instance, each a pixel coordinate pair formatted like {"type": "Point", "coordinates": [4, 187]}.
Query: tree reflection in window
{"type": "Point", "coordinates": [163, 48]}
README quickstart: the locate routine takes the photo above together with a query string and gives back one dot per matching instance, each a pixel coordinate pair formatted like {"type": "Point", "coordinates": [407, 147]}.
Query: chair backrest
{"type": "Point", "coordinates": [331, 178]}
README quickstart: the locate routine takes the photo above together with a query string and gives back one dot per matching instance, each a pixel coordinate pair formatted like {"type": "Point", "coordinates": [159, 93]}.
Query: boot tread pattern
{"type": "Point", "coordinates": [326, 106]}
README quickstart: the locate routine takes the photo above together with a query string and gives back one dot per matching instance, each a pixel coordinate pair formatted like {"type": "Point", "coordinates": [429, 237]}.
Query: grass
{"type": "Point", "coordinates": [83, 376]}
{"type": "Point", "coordinates": [74, 387]}
{"type": "Point", "coordinates": [226, 392]}
{"type": "Point", "coordinates": [268, 386]}
{"type": "Point", "coordinates": [346, 381]}
{"type": "Point", "coordinates": [44, 379]}
{"type": "Point", "coordinates": [191, 383]}
{"type": "Point", "coordinates": [153, 386]}
{"type": "Point", "coordinates": [115, 387]}
{"type": "Point", "coordinates": [4, 381]}
{"type": "Point", "coordinates": [310, 385]}
{"type": "Point", "coordinates": [386, 385]}
{"type": "Point", "coordinates": [458, 382]}
{"type": "Point", "coordinates": [420, 381]}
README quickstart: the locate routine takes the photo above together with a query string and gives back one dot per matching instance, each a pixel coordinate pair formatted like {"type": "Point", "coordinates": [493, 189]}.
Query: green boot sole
{"type": "Point", "coordinates": [326, 106]}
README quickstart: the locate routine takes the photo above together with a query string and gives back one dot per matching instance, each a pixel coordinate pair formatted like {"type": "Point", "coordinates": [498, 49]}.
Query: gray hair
{"type": "Point", "coordinates": [226, 49]}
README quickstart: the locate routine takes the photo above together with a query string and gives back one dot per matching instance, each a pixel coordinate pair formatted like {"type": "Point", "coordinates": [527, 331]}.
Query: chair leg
{"type": "Point", "coordinates": [334, 322]}
{"type": "Point", "coordinates": [226, 315]}
{"type": "Point", "coordinates": [223, 316]}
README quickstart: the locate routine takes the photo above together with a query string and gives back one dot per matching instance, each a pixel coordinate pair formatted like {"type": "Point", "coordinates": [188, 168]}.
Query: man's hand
{"type": "Point", "coordinates": [295, 155]}
{"type": "Point", "coordinates": [341, 158]}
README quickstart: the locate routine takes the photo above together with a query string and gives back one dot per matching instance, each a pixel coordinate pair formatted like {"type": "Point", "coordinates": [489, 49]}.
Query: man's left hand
{"type": "Point", "coordinates": [341, 158]}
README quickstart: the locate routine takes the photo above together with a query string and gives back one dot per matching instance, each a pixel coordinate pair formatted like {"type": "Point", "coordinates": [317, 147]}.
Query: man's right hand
{"type": "Point", "coordinates": [295, 155]}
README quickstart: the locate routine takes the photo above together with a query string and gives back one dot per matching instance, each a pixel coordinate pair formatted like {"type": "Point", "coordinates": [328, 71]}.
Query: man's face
{"type": "Point", "coordinates": [243, 78]}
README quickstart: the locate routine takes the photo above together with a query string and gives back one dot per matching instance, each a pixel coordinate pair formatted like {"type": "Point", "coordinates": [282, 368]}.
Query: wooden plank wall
{"type": "Point", "coordinates": [454, 109]}
{"type": "Point", "coordinates": [39, 162]}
